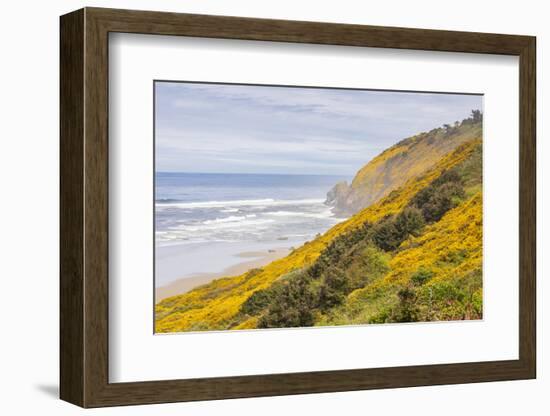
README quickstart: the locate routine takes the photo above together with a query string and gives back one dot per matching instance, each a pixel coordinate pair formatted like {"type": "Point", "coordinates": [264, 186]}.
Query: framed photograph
{"type": "Point", "coordinates": [255, 207]}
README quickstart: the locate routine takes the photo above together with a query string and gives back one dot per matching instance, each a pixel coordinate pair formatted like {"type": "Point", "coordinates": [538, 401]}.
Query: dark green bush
{"type": "Point", "coordinates": [409, 222]}
{"type": "Point", "coordinates": [390, 232]}
{"type": "Point", "coordinates": [407, 308]}
{"type": "Point", "coordinates": [421, 276]}
{"type": "Point", "coordinates": [386, 235]}
{"type": "Point", "coordinates": [257, 302]}
{"type": "Point", "coordinates": [443, 194]}
{"type": "Point", "coordinates": [293, 306]}
{"type": "Point", "coordinates": [333, 289]}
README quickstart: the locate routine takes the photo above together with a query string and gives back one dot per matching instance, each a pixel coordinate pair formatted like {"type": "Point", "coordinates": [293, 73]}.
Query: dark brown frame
{"type": "Point", "coordinates": [84, 207]}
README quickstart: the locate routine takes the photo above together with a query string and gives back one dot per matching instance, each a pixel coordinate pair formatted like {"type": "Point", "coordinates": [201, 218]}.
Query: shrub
{"type": "Point", "coordinates": [407, 308]}
{"type": "Point", "coordinates": [257, 302]}
{"type": "Point", "coordinates": [386, 235]}
{"type": "Point", "coordinates": [421, 276]}
{"type": "Point", "coordinates": [390, 232]}
{"type": "Point", "coordinates": [294, 306]}
{"type": "Point", "coordinates": [443, 194]}
{"type": "Point", "coordinates": [333, 289]}
{"type": "Point", "coordinates": [409, 222]}
{"type": "Point", "coordinates": [368, 264]}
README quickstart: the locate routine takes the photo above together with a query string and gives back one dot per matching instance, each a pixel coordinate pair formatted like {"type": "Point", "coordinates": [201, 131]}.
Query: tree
{"type": "Point", "coordinates": [477, 116]}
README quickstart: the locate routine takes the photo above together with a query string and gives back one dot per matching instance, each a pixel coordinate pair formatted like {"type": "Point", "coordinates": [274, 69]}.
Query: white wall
{"type": "Point", "coordinates": [29, 209]}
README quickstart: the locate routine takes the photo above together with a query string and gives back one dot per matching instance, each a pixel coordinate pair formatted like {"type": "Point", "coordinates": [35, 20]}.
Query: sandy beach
{"type": "Point", "coordinates": [250, 260]}
{"type": "Point", "coordinates": [209, 226]}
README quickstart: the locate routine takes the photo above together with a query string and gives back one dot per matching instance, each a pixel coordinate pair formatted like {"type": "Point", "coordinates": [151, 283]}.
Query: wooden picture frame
{"type": "Point", "coordinates": [84, 207]}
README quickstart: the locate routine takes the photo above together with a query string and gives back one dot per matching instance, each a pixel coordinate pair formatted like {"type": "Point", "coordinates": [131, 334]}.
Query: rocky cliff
{"type": "Point", "coordinates": [407, 159]}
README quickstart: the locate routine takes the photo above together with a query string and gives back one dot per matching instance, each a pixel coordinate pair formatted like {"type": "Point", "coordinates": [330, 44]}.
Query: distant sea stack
{"type": "Point", "coordinates": [399, 163]}
{"type": "Point", "coordinates": [337, 195]}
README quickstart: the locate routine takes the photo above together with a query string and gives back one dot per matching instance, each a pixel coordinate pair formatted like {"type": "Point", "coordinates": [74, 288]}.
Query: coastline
{"type": "Point", "coordinates": [256, 259]}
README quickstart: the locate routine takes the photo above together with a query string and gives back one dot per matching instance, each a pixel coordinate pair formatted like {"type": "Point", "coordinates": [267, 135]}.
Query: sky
{"type": "Point", "coordinates": [220, 128]}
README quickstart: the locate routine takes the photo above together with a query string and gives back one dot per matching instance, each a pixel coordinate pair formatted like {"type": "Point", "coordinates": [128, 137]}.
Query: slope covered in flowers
{"type": "Point", "coordinates": [407, 159]}
{"type": "Point", "coordinates": [435, 276]}
{"type": "Point", "coordinates": [387, 293]}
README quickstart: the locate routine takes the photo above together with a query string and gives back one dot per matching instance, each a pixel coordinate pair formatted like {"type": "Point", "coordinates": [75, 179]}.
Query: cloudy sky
{"type": "Point", "coordinates": [261, 129]}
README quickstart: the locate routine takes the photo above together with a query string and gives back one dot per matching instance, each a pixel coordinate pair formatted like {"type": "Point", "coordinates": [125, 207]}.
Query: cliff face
{"type": "Point", "coordinates": [395, 166]}
{"type": "Point", "coordinates": [339, 192]}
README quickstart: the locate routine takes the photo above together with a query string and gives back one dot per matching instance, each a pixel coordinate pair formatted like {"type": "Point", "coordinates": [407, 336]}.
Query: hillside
{"type": "Point", "coordinates": [435, 276]}
{"type": "Point", "coordinates": [330, 279]}
{"type": "Point", "coordinates": [420, 264]}
{"type": "Point", "coordinates": [396, 165]}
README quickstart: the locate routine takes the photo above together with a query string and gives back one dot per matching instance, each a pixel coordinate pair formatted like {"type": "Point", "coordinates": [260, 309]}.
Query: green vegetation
{"type": "Point", "coordinates": [389, 233]}
{"type": "Point", "coordinates": [440, 196]}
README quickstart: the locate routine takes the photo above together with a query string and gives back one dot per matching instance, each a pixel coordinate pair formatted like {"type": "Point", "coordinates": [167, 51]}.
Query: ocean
{"type": "Point", "coordinates": [203, 221]}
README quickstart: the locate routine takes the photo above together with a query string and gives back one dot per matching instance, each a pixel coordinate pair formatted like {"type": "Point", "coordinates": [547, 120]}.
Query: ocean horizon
{"type": "Point", "coordinates": [235, 212]}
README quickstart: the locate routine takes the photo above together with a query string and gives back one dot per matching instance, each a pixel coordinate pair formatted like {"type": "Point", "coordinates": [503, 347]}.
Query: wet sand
{"type": "Point", "coordinates": [185, 284]}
